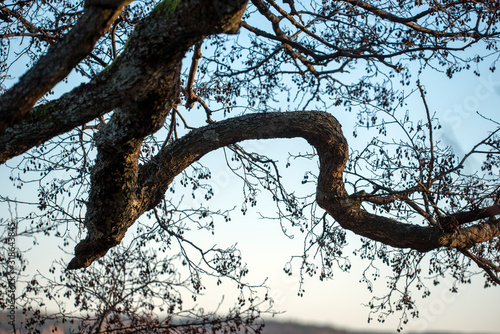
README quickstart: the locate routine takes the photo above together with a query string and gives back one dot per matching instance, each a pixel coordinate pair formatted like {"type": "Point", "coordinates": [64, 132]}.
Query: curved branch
{"type": "Point", "coordinates": [323, 132]}
{"type": "Point", "coordinates": [486, 265]}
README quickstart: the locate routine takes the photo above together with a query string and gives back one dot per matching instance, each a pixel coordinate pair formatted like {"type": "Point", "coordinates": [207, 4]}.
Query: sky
{"type": "Point", "coordinates": [339, 302]}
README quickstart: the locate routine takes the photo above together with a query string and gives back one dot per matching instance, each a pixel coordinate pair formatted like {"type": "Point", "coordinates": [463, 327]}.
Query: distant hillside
{"type": "Point", "coordinates": [275, 327]}
{"type": "Point", "coordinates": [272, 327]}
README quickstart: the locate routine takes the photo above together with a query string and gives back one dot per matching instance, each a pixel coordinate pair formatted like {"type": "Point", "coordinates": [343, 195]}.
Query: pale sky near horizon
{"type": "Point", "coordinates": [339, 302]}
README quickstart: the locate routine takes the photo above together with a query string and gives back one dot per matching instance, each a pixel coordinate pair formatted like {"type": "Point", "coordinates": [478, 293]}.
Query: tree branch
{"type": "Point", "coordinates": [60, 59]}
{"type": "Point", "coordinates": [487, 266]}
{"type": "Point", "coordinates": [152, 50]}
{"type": "Point", "coordinates": [323, 132]}
{"type": "Point", "coordinates": [410, 22]}
{"type": "Point", "coordinates": [114, 201]}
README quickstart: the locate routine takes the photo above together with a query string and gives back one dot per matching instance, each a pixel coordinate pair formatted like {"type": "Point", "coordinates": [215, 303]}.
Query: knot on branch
{"type": "Point", "coordinates": [89, 250]}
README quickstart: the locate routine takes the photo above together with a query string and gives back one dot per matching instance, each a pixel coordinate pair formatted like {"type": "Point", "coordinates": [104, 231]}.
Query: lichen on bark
{"type": "Point", "coordinates": [167, 7]}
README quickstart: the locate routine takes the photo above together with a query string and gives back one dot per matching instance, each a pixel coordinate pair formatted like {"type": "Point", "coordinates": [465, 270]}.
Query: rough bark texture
{"type": "Point", "coordinates": [322, 131]}
{"type": "Point", "coordinates": [59, 61]}
{"type": "Point", "coordinates": [147, 75]}
{"type": "Point", "coordinates": [157, 45]}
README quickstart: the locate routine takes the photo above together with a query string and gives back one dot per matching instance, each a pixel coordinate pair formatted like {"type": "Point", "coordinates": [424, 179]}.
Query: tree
{"type": "Point", "coordinates": [116, 136]}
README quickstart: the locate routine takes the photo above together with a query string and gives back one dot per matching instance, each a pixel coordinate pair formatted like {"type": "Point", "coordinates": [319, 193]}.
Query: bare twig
{"type": "Point", "coordinates": [483, 265]}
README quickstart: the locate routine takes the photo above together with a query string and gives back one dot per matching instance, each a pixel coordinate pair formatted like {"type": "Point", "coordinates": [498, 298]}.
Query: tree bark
{"type": "Point", "coordinates": [147, 75]}
{"type": "Point", "coordinates": [60, 59]}
{"type": "Point", "coordinates": [157, 45]}
{"type": "Point", "coordinates": [323, 132]}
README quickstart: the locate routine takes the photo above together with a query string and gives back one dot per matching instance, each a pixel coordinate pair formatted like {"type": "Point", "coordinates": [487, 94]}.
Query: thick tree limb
{"type": "Point", "coordinates": [323, 132]}
{"type": "Point", "coordinates": [155, 51]}
{"type": "Point", "coordinates": [142, 85]}
{"type": "Point", "coordinates": [60, 59]}
{"type": "Point", "coordinates": [155, 47]}
{"type": "Point", "coordinates": [453, 221]}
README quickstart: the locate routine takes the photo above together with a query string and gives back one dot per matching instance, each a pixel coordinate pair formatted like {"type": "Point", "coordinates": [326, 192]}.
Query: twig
{"type": "Point", "coordinates": [191, 97]}
{"type": "Point", "coordinates": [482, 264]}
